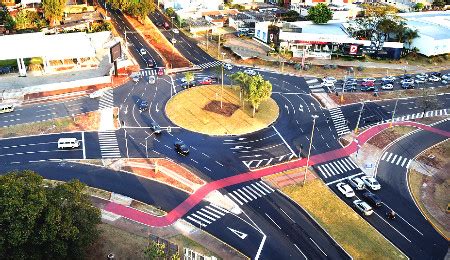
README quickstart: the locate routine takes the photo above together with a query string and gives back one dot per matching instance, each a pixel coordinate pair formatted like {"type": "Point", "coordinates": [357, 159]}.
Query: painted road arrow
{"type": "Point", "coordinates": [240, 234]}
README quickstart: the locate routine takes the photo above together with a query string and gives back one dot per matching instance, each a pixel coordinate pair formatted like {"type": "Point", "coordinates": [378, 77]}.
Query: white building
{"type": "Point", "coordinates": [433, 29]}
{"type": "Point", "coordinates": [192, 4]}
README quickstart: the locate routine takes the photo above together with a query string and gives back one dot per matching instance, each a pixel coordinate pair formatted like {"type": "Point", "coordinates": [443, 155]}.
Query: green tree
{"type": "Point", "coordinates": [320, 13]}
{"type": "Point", "coordinates": [44, 223]}
{"type": "Point", "coordinates": [170, 12]}
{"type": "Point", "coordinates": [53, 10]}
{"type": "Point", "coordinates": [26, 19]}
{"type": "Point", "coordinates": [100, 27]}
{"type": "Point", "coordinates": [419, 7]}
{"type": "Point", "coordinates": [291, 16]}
{"type": "Point", "coordinates": [439, 4]}
{"type": "Point", "coordinates": [175, 256]}
{"type": "Point", "coordinates": [155, 250]}
{"type": "Point", "coordinates": [189, 77]}
{"type": "Point", "coordinates": [409, 36]}
{"type": "Point", "coordinates": [144, 7]}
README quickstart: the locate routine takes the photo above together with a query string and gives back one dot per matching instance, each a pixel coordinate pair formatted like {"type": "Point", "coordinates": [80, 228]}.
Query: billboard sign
{"type": "Point", "coordinates": [353, 49]}
{"type": "Point", "coordinates": [115, 52]}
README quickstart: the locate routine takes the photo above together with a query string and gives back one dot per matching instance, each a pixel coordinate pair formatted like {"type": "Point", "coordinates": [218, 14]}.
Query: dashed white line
{"type": "Point", "coordinates": [272, 221]}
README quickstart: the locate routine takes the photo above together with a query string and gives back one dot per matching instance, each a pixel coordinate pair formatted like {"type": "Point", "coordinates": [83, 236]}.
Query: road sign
{"type": "Point", "coordinates": [353, 49]}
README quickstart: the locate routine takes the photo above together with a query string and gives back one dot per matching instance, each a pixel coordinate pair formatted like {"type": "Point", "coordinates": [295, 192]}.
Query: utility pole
{"type": "Point", "coordinates": [393, 113]}
{"type": "Point", "coordinates": [343, 88]}
{"type": "Point", "coordinates": [359, 118]}
{"type": "Point", "coordinates": [218, 48]}
{"type": "Point", "coordinates": [221, 95]}
{"type": "Point", "coordinates": [207, 42]}
{"type": "Point", "coordinates": [310, 145]}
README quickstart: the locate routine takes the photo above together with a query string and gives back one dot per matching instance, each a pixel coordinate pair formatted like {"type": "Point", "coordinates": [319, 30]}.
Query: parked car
{"type": "Point", "coordinates": [371, 182]}
{"type": "Point", "coordinates": [362, 206]}
{"type": "Point", "coordinates": [434, 78]}
{"type": "Point", "coordinates": [368, 84]}
{"type": "Point", "coordinates": [420, 80]}
{"type": "Point", "coordinates": [250, 72]}
{"type": "Point", "coordinates": [345, 189]}
{"type": "Point", "coordinates": [356, 183]}
{"type": "Point", "coordinates": [155, 127]}
{"type": "Point", "coordinates": [407, 85]}
{"type": "Point", "coordinates": [151, 80]}
{"type": "Point", "coordinates": [328, 84]}
{"type": "Point", "coordinates": [372, 199]}
{"type": "Point", "coordinates": [166, 26]}
{"type": "Point", "coordinates": [143, 106]}
{"type": "Point", "coordinates": [388, 79]}
{"type": "Point", "coordinates": [407, 81]}
{"type": "Point", "coordinates": [97, 94]}
{"type": "Point", "coordinates": [228, 66]}
{"type": "Point", "coordinates": [330, 79]}
{"type": "Point", "coordinates": [143, 51]}
{"type": "Point", "coordinates": [369, 79]}
{"type": "Point", "coordinates": [387, 87]}
{"type": "Point", "coordinates": [434, 73]}
{"type": "Point", "coordinates": [191, 84]}
{"type": "Point", "coordinates": [159, 24]}
{"type": "Point", "coordinates": [214, 79]}
{"type": "Point", "coordinates": [422, 75]}
{"type": "Point", "coordinates": [405, 76]}
{"type": "Point", "coordinates": [175, 30]}
{"type": "Point", "coordinates": [205, 81]}
{"type": "Point", "coordinates": [367, 88]}
{"type": "Point", "coordinates": [446, 76]}
{"type": "Point", "coordinates": [181, 148]}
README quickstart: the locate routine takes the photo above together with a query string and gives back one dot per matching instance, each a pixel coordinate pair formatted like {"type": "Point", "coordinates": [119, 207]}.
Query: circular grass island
{"type": "Point", "coordinates": [198, 110]}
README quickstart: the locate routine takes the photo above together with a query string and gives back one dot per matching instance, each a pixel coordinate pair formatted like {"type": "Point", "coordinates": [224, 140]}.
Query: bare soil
{"type": "Point", "coordinates": [227, 109]}
{"type": "Point", "coordinates": [389, 135]}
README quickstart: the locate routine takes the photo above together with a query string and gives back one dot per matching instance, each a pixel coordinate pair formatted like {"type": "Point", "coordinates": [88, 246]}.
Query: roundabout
{"type": "Point", "coordinates": [199, 110]}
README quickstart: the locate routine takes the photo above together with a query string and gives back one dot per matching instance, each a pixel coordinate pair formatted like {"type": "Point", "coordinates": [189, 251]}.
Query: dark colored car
{"type": "Point", "coordinates": [372, 199]}
{"type": "Point", "coordinates": [191, 84]}
{"type": "Point", "coordinates": [181, 148]}
{"type": "Point", "coordinates": [368, 88]}
{"type": "Point", "coordinates": [159, 24]}
{"type": "Point", "coordinates": [155, 128]}
{"type": "Point", "coordinates": [215, 79]}
{"type": "Point", "coordinates": [151, 64]}
{"type": "Point", "coordinates": [405, 76]}
{"type": "Point", "coordinates": [143, 106]}
{"type": "Point", "coordinates": [435, 73]}
{"type": "Point", "coordinates": [407, 86]}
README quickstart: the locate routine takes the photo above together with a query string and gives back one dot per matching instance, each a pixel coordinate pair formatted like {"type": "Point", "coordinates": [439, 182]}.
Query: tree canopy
{"type": "Point", "coordinates": [139, 9]}
{"type": "Point", "coordinates": [438, 3]}
{"type": "Point", "coordinates": [53, 10]}
{"type": "Point", "coordinates": [255, 88]}
{"type": "Point", "coordinates": [41, 222]}
{"type": "Point", "coordinates": [189, 77]}
{"type": "Point", "coordinates": [320, 13]}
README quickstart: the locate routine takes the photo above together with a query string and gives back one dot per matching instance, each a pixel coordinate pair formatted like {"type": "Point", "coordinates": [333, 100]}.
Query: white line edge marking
{"type": "Point", "coordinates": [273, 221]}
{"type": "Point", "coordinates": [318, 246]}
{"type": "Point", "coordinates": [84, 147]}
{"type": "Point", "coordinates": [284, 141]}
{"type": "Point", "coordinates": [287, 215]}
{"type": "Point", "coordinates": [301, 252]}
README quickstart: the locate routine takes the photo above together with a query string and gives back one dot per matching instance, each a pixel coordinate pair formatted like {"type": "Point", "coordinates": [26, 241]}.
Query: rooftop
{"type": "Point", "coordinates": [432, 24]}
{"type": "Point", "coordinates": [334, 28]}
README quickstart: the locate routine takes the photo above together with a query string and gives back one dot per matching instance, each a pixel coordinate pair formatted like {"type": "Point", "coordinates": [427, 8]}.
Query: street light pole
{"type": "Point", "coordinates": [218, 47]}
{"type": "Point", "coordinates": [393, 113]}
{"type": "Point", "coordinates": [221, 95]}
{"type": "Point", "coordinates": [310, 145]}
{"type": "Point", "coordinates": [359, 117]}
{"type": "Point", "coordinates": [343, 88]}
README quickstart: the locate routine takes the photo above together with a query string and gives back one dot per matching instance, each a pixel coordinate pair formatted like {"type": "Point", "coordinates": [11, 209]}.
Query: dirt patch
{"type": "Point", "coordinates": [227, 109]}
{"type": "Point", "coordinates": [389, 135]}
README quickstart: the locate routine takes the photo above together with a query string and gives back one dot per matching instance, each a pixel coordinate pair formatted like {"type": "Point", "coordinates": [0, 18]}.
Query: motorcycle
{"type": "Point", "coordinates": [391, 215]}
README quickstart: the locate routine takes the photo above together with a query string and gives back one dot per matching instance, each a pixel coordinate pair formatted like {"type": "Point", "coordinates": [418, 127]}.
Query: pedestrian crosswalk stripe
{"type": "Point", "coordinates": [265, 184]}
{"type": "Point", "coordinates": [384, 155]}
{"type": "Point", "coordinates": [337, 167]}
{"type": "Point", "coordinates": [389, 157]}
{"type": "Point", "coordinates": [251, 194]}
{"type": "Point", "coordinates": [245, 194]}
{"type": "Point", "coordinates": [262, 187]}
{"type": "Point", "coordinates": [196, 221]}
{"type": "Point", "coordinates": [407, 165]}
{"type": "Point", "coordinates": [339, 121]}
{"type": "Point", "coordinates": [109, 148]}
{"type": "Point", "coordinates": [148, 72]}
{"type": "Point", "coordinates": [210, 64]}
{"type": "Point", "coordinates": [220, 208]}
{"type": "Point", "coordinates": [215, 210]}
{"type": "Point", "coordinates": [403, 163]}
{"type": "Point", "coordinates": [329, 168]}
{"type": "Point", "coordinates": [210, 213]}
{"type": "Point", "coordinates": [202, 219]}
{"type": "Point", "coordinates": [342, 166]}
{"type": "Point", "coordinates": [398, 161]}
{"type": "Point", "coordinates": [250, 188]}
{"type": "Point", "coordinates": [238, 195]}
{"type": "Point", "coordinates": [393, 159]}
{"type": "Point", "coordinates": [254, 186]}
{"type": "Point", "coordinates": [205, 215]}
{"type": "Point", "coordinates": [235, 199]}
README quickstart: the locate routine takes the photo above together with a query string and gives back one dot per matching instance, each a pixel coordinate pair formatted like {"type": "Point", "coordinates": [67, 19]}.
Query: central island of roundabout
{"type": "Point", "coordinates": [204, 110]}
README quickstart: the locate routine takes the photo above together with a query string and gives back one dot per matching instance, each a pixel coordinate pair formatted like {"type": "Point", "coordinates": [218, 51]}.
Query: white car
{"type": "Point", "coordinates": [422, 75]}
{"type": "Point", "coordinates": [387, 87]}
{"type": "Point", "coordinates": [328, 84]}
{"type": "Point", "coordinates": [345, 189]}
{"type": "Point", "coordinates": [434, 78]}
{"type": "Point", "coordinates": [250, 72]}
{"type": "Point", "coordinates": [446, 76]}
{"type": "Point", "coordinates": [407, 81]}
{"type": "Point", "coordinates": [362, 206]}
{"type": "Point", "coordinates": [151, 80]}
{"type": "Point", "coordinates": [388, 78]}
{"type": "Point", "coordinates": [357, 183]}
{"type": "Point", "coordinates": [228, 66]}
{"type": "Point", "coordinates": [330, 79]}
{"type": "Point", "coordinates": [97, 94]}
{"type": "Point", "coordinates": [175, 30]}
{"type": "Point", "coordinates": [420, 80]}
{"type": "Point", "coordinates": [369, 79]}
{"type": "Point", "coordinates": [143, 51]}
{"type": "Point", "coordinates": [371, 182]}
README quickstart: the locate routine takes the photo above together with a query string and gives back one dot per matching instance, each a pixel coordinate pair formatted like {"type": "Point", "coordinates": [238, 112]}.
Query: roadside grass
{"type": "Point", "coordinates": [416, 181]}
{"type": "Point", "coordinates": [83, 122]}
{"type": "Point", "coordinates": [352, 232]}
{"type": "Point", "coordinates": [185, 242]}
{"type": "Point", "coordinates": [187, 111]}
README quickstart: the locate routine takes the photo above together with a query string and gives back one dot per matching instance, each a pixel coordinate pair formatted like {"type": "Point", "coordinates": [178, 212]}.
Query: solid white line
{"type": "Point", "coordinates": [284, 141]}
{"type": "Point", "coordinates": [260, 246]}
{"type": "Point", "coordinates": [84, 147]}
{"type": "Point", "coordinates": [272, 221]}
{"type": "Point", "coordinates": [287, 215]}
{"type": "Point", "coordinates": [392, 227]}
{"type": "Point", "coordinates": [318, 246]}
{"type": "Point", "coordinates": [301, 252]}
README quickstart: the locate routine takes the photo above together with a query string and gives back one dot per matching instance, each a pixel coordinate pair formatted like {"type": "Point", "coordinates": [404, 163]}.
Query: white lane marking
{"type": "Point", "coordinates": [273, 221]}
{"type": "Point", "coordinates": [215, 210]}
{"type": "Point", "coordinates": [84, 147]}
{"type": "Point", "coordinates": [318, 246]}
{"type": "Point", "coordinates": [287, 215]}
{"type": "Point", "coordinates": [284, 141]}
{"type": "Point", "coordinates": [392, 227]}
{"type": "Point", "coordinates": [219, 163]}
{"type": "Point", "coordinates": [202, 219]}
{"type": "Point", "coordinates": [345, 178]}
{"type": "Point", "coordinates": [301, 252]}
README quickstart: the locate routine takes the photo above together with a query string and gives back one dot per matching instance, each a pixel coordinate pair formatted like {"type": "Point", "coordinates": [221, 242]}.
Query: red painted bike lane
{"type": "Point", "coordinates": [198, 196]}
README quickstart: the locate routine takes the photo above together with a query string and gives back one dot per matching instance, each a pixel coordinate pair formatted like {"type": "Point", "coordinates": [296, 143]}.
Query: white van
{"type": "Point", "coordinates": [68, 143]}
{"type": "Point", "coordinates": [6, 108]}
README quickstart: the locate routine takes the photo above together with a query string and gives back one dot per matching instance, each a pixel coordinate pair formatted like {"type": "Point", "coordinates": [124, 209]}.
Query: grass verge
{"type": "Point", "coordinates": [187, 110]}
{"type": "Point", "coordinates": [186, 242]}
{"type": "Point", "coordinates": [353, 233]}
{"type": "Point", "coordinates": [389, 135]}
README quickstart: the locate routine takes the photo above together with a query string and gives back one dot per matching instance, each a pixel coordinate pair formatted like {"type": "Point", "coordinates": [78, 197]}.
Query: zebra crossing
{"type": "Point", "coordinates": [253, 164]}
{"type": "Point", "coordinates": [210, 64]}
{"type": "Point", "coordinates": [337, 167]}
{"type": "Point", "coordinates": [440, 112]}
{"type": "Point", "coordinates": [109, 147]}
{"type": "Point", "coordinates": [106, 100]}
{"type": "Point", "coordinates": [148, 72]}
{"type": "Point", "coordinates": [339, 121]}
{"type": "Point", "coordinates": [396, 159]}
{"type": "Point", "coordinates": [315, 86]}
{"type": "Point", "coordinates": [206, 215]}
{"type": "Point", "coordinates": [250, 192]}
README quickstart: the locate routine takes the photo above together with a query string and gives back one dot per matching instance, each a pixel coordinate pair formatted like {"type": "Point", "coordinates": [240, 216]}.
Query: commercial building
{"type": "Point", "coordinates": [433, 29]}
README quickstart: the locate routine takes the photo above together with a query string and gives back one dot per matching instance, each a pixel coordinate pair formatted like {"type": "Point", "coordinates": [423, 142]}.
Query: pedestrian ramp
{"type": "Point", "coordinates": [250, 192]}
{"type": "Point", "coordinates": [339, 121]}
{"type": "Point", "coordinates": [109, 147]}
{"type": "Point", "coordinates": [206, 215]}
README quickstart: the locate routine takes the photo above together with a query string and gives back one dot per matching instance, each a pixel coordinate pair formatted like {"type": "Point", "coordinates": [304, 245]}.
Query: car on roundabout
{"type": "Point", "coordinates": [363, 207]}
{"type": "Point", "coordinates": [191, 84]}
{"type": "Point", "coordinates": [345, 189]}
{"type": "Point", "coordinates": [151, 80]}
{"type": "Point", "coordinates": [205, 81]}
{"type": "Point", "coordinates": [181, 148]}
{"type": "Point", "coordinates": [371, 182]}
{"type": "Point", "coordinates": [155, 127]}
{"type": "Point", "coordinates": [143, 106]}
{"type": "Point", "coordinates": [143, 51]}
{"type": "Point", "coordinates": [387, 87]}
